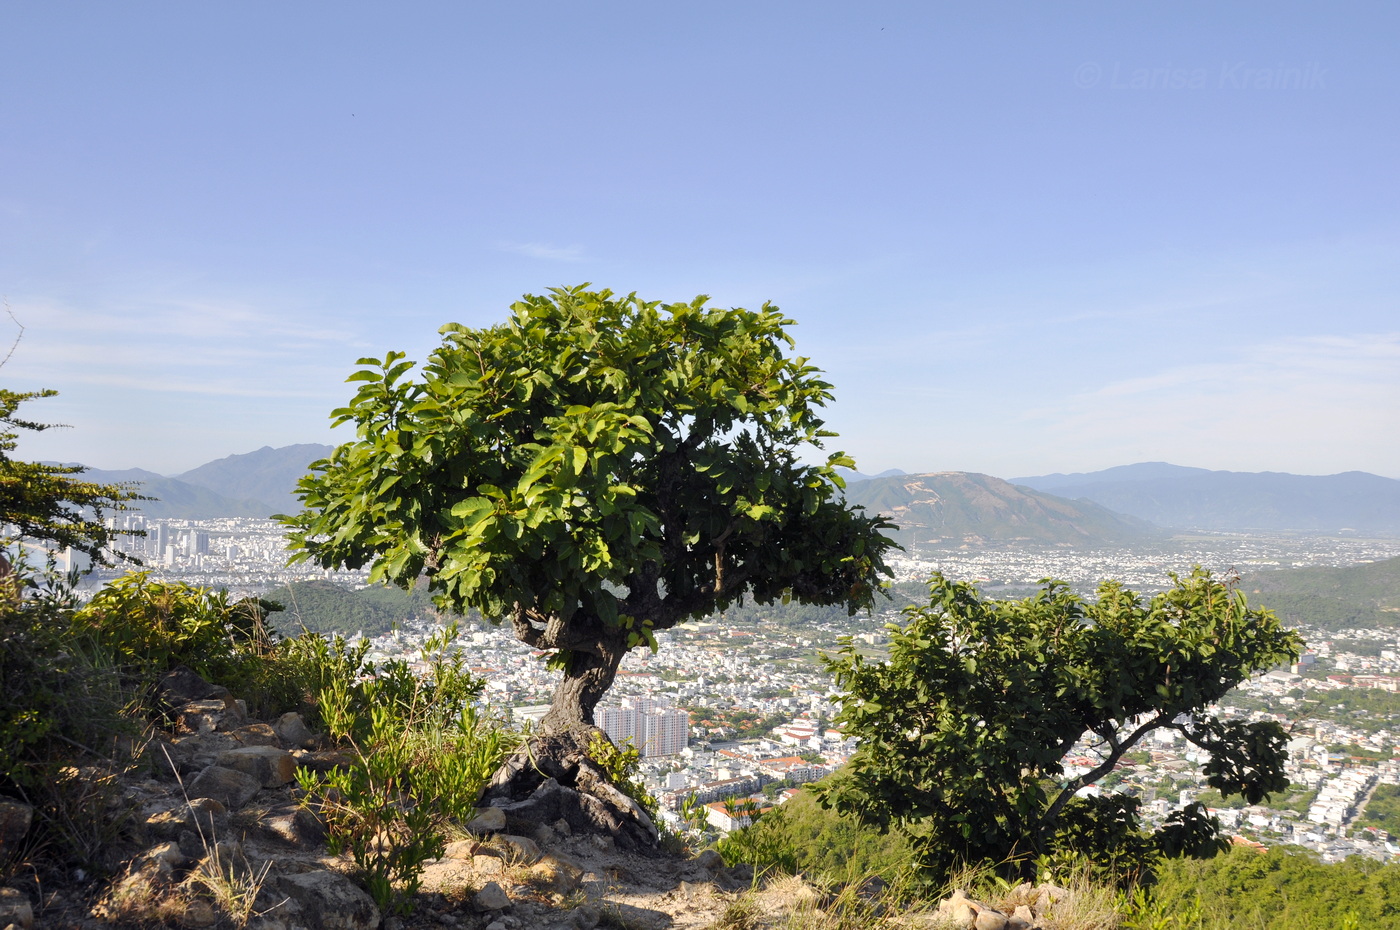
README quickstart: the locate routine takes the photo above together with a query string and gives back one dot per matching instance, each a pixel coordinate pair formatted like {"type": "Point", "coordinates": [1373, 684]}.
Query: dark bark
{"type": "Point", "coordinates": [588, 674]}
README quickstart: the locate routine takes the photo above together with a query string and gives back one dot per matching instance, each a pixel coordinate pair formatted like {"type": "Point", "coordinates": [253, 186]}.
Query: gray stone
{"type": "Point", "coordinates": [989, 919]}
{"type": "Point", "coordinates": [519, 850]}
{"type": "Point", "coordinates": [586, 917]}
{"type": "Point", "coordinates": [496, 925]}
{"type": "Point", "coordinates": [15, 909]}
{"type": "Point", "coordinates": [181, 685]}
{"type": "Point", "coordinates": [710, 859]}
{"type": "Point", "coordinates": [168, 853]}
{"type": "Point", "coordinates": [491, 897]}
{"type": "Point", "coordinates": [488, 820]}
{"type": "Point", "coordinates": [294, 825]}
{"type": "Point", "coordinates": [230, 788]}
{"type": "Point", "coordinates": [272, 767]}
{"type": "Point", "coordinates": [329, 901]}
{"type": "Point", "coordinates": [257, 734]}
{"type": "Point", "coordinates": [15, 820]}
{"type": "Point", "coordinates": [294, 733]}
{"type": "Point", "coordinates": [461, 849]}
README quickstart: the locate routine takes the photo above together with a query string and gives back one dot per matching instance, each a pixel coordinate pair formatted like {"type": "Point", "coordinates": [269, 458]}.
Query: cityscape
{"type": "Point", "coordinates": [727, 711]}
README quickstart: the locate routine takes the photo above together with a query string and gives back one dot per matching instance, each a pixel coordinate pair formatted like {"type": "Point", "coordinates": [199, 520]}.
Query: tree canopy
{"type": "Point", "coordinates": [593, 470]}
{"type": "Point", "coordinates": [964, 729]}
{"type": "Point", "coordinates": [48, 503]}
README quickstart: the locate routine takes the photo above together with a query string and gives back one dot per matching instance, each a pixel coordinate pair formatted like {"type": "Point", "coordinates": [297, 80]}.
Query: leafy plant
{"type": "Point", "coordinates": [422, 755]}
{"type": "Point", "coordinates": [963, 730]}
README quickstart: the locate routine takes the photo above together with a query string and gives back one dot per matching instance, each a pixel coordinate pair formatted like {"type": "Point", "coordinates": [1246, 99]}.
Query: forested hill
{"type": "Point", "coordinates": [1366, 595]}
{"type": "Point", "coordinates": [324, 607]}
{"type": "Point", "coordinates": [955, 508]}
{"type": "Point", "coordinates": [1232, 501]}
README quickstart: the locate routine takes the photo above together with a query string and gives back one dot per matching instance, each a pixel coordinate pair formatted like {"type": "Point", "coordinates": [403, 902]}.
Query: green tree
{"type": "Point", "coordinates": [48, 502]}
{"type": "Point", "coordinates": [963, 730]}
{"type": "Point", "coordinates": [592, 471]}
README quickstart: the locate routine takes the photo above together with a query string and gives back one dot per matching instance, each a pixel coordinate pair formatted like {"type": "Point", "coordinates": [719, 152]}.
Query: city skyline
{"type": "Point", "coordinates": [1017, 240]}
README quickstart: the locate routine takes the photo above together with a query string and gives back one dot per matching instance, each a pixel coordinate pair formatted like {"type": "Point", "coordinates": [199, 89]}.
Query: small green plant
{"type": "Point", "coordinates": [423, 753]}
{"type": "Point", "coordinates": [370, 812]}
{"type": "Point", "coordinates": [620, 764]}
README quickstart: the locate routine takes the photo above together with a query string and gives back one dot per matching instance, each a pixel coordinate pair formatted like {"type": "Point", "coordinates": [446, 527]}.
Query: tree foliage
{"type": "Point", "coordinates": [49, 502]}
{"type": "Point", "coordinates": [593, 470]}
{"type": "Point", "coordinates": [963, 731]}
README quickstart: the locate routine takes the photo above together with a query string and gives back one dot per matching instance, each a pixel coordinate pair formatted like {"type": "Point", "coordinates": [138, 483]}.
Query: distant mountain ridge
{"type": "Point", "coordinates": [964, 508]}
{"type": "Point", "coordinates": [1197, 498]}
{"type": "Point", "coordinates": [253, 484]}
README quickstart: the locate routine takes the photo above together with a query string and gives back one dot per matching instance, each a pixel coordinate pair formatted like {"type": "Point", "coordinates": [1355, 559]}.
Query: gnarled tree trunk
{"type": "Point", "coordinates": [552, 776]}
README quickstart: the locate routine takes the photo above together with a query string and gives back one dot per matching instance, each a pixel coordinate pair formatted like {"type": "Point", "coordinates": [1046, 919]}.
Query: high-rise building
{"type": "Point", "coordinates": [655, 729]}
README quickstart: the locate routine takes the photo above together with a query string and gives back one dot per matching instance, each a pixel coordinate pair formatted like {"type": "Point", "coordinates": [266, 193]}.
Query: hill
{"type": "Point", "coordinates": [266, 476]}
{"type": "Point", "coordinates": [1365, 595]}
{"type": "Point", "coordinates": [957, 508]}
{"type": "Point", "coordinates": [1197, 498]}
{"type": "Point", "coordinates": [173, 498]}
{"type": "Point", "coordinates": [325, 607]}
{"type": "Point", "coordinates": [254, 484]}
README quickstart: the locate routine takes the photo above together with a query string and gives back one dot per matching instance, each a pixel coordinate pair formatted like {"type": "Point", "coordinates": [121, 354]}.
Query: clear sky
{"type": "Point", "coordinates": [1019, 238]}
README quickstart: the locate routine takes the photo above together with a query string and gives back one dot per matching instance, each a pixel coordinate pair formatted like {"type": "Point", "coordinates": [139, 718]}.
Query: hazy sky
{"type": "Point", "coordinates": [1019, 238]}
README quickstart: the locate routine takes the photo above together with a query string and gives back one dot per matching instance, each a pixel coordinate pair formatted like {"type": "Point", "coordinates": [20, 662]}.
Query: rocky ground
{"type": "Point", "coordinates": [215, 836]}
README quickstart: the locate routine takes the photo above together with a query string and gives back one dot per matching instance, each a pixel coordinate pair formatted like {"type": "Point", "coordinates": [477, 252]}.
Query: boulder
{"type": "Point", "coordinates": [294, 733]}
{"type": "Point", "coordinates": [294, 825]}
{"type": "Point", "coordinates": [491, 897]}
{"type": "Point", "coordinates": [518, 849]}
{"type": "Point", "coordinates": [230, 788]}
{"type": "Point", "coordinates": [15, 821]}
{"type": "Point", "coordinates": [272, 767]}
{"type": "Point", "coordinates": [15, 909]}
{"type": "Point", "coordinates": [257, 734]}
{"type": "Point", "coordinates": [324, 900]}
{"type": "Point", "coordinates": [487, 820]}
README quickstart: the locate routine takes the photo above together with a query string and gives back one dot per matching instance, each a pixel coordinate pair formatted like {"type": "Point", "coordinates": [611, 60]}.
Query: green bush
{"type": "Point", "coordinates": [422, 753]}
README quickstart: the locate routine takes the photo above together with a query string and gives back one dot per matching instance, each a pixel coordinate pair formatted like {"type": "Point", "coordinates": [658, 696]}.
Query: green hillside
{"type": "Point", "coordinates": [963, 508]}
{"type": "Point", "coordinates": [325, 607]}
{"type": "Point", "coordinates": [1366, 595]}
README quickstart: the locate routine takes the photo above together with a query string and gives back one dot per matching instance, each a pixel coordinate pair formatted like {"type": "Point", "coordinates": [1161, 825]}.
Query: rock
{"type": "Point", "coordinates": [1024, 914]}
{"type": "Point", "coordinates": [519, 850]}
{"type": "Point", "coordinates": [15, 909]}
{"type": "Point", "coordinates": [989, 919]}
{"type": "Point", "coordinates": [325, 760]}
{"type": "Point", "coordinates": [182, 685]}
{"type": "Point", "coordinates": [257, 734]}
{"type": "Point", "coordinates": [205, 816]}
{"type": "Point", "coordinates": [558, 873]}
{"type": "Point", "coordinates": [15, 821]}
{"type": "Point", "coordinates": [294, 825]}
{"type": "Point", "coordinates": [1047, 895]}
{"type": "Point", "coordinates": [488, 865]}
{"type": "Point", "coordinates": [272, 767]}
{"type": "Point", "coordinates": [168, 853]}
{"type": "Point", "coordinates": [230, 788]}
{"type": "Point", "coordinates": [586, 917]}
{"type": "Point", "coordinates": [328, 901]}
{"type": "Point", "coordinates": [488, 820]}
{"type": "Point", "coordinates": [491, 898]}
{"type": "Point", "coordinates": [462, 849]}
{"type": "Point", "coordinates": [207, 716]}
{"type": "Point", "coordinates": [294, 733]}
{"type": "Point", "coordinates": [198, 915]}
{"type": "Point", "coordinates": [710, 859]}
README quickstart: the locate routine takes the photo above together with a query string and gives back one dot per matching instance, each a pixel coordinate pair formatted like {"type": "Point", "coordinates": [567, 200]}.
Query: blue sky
{"type": "Point", "coordinates": [1019, 238]}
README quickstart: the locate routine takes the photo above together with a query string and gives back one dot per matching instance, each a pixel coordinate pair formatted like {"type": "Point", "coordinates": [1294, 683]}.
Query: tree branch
{"type": "Point", "coordinates": [1116, 751]}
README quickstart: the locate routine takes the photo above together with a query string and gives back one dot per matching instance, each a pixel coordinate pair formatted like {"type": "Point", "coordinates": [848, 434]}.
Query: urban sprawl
{"type": "Point", "coordinates": [731, 712]}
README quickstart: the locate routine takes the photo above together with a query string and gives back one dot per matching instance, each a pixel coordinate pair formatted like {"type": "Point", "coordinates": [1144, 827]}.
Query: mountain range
{"type": "Point", "coordinates": [1114, 506]}
{"type": "Point", "coordinates": [1199, 499]}
{"type": "Point", "coordinates": [254, 484]}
